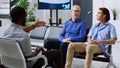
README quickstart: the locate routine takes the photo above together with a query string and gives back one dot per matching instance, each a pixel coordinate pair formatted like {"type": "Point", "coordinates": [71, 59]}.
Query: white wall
{"type": "Point", "coordinates": [45, 15]}
{"type": "Point", "coordinates": [110, 4]}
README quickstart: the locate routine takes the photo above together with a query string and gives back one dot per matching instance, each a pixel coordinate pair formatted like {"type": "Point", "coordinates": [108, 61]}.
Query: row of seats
{"type": "Point", "coordinates": [40, 34]}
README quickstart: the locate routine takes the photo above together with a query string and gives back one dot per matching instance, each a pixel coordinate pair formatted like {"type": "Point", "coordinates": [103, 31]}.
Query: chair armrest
{"type": "Point", "coordinates": [35, 46]}
{"type": "Point", "coordinates": [40, 56]}
{"type": "Point", "coordinates": [107, 49]}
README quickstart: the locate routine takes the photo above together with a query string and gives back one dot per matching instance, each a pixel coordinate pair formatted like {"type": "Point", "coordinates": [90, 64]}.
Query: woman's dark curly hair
{"type": "Point", "coordinates": [106, 12]}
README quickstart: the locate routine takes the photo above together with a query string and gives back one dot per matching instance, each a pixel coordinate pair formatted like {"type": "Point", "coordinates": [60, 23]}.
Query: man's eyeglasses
{"type": "Point", "coordinates": [76, 10]}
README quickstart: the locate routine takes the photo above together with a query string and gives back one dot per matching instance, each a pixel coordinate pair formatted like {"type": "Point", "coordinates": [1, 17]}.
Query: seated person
{"type": "Point", "coordinates": [74, 30]}
{"type": "Point", "coordinates": [15, 31]}
{"type": "Point", "coordinates": [100, 34]}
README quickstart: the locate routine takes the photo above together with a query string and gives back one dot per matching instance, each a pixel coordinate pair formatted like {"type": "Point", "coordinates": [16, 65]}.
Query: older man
{"type": "Point", "coordinates": [74, 30]}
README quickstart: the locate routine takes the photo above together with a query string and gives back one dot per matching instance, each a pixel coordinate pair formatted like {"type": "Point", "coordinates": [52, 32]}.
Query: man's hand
{"type": "Point", "coordinates": [92, 41]}
{"type": "Point", "coordinates": [67, 40]}
{"type": "Point", "coordinates": [37, 50]}
{"type": "Point", "coordinates": [98, 41]}
{"type": "Point", "coordinates": [39, 23]}
{"type": "Point", "coordinates": [34, 25]}
{"type": "Point", "coordinates": [95, 41]}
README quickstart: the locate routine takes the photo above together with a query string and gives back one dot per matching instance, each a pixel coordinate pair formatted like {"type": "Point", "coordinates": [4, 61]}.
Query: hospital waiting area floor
{"type": "Point", "coordinates": [79, 63]}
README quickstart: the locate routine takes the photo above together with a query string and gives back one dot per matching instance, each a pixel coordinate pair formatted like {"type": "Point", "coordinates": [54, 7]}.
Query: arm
{"type": "Point", "coordinates": [28, 28]}
{"type": "Point", "coordinates": [109, 41]}
{"type": "Point", "coordinates": [62, 34]}
{"type": "Point", "coordinates": [36, 24]}
{"type": "Point", "coordinates": [35, 52]}
{"type": "Point", "coordinates": [112, 35]}
{"type": "Point", "coordinates": [67, 40]}
{"type": "Point", "coordinates": [90, 34]}
{"type": "Point", "coordinates": [89, 39]}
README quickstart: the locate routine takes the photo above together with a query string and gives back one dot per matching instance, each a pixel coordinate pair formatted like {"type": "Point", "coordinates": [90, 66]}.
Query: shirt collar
{"type": "Point", "coordinates": [106, 23]}
{"type": "Point", "coordinates": [75, 20]}
{"type": "Point", "coordinates": [16, 25]}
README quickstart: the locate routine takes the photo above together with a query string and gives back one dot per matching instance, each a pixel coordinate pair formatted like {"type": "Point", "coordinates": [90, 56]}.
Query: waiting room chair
{"type": "Point", "coordinates": [12, 55]}
{"type": "Point", "coordinates": [37, 35]}
{"type": "Point", "coordinates": [54, 32]}
{"type": "Point", "coordinates": [51, 40]}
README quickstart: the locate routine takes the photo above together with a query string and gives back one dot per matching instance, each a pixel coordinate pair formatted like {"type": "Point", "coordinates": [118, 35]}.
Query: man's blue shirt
{"type": "Point", "coordinates": [102, 32]}
{"type": "Point", "coordinates": [76, 31]}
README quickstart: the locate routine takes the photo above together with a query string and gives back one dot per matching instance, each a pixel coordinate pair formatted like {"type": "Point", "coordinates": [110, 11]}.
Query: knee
{"type": "Point", "coordinates": [89, 48]}
{"type": "Point", "coordinates": [71, 46]}
{"type": "Point", "coordinates": [64, 45]}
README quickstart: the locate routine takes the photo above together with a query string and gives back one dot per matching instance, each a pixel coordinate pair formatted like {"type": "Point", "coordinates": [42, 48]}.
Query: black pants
{"type": "Point", "coordinates": [54, 59]}
{"type": "Point", "coordinates": [56, 44]}
{"type": "Point", "coordinates": [52, 44]}
{"type": "Point", "coordinates": [63, 50]}
{"type": "Point", "coordinates": [39, 63]}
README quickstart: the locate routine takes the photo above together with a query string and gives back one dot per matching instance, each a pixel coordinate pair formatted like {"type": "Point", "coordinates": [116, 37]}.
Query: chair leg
{"type": "Point", "coordinates": [111, 64]}
{"type": "Point", "coordinates": [46, 61]}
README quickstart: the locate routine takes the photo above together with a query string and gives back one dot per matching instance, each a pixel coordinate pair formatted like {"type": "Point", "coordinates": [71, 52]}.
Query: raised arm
{"type": "Point", "coordinates": [36, 24]}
